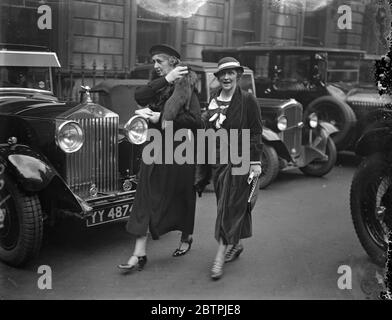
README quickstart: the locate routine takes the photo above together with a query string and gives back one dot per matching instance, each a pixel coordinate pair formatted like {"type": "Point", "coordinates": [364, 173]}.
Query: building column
{"type": "Point", "coordinates": [132, 35]}
{"type": "Point", "coordinates": [229, 18]}
{"type": "Point", "coordinates": [264, 22]}
{"type": "Point", "coordinates": [127, 35]}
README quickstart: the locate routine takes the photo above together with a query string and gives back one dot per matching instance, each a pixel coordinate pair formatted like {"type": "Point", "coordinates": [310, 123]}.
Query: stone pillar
{"type": "Point", "coordinates": [205, 28]}
{"type": "Point", "coordinates": [285, 24]}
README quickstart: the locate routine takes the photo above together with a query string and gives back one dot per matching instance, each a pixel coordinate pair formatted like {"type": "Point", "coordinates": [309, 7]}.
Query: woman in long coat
{"type": "Point", "coordinates": [165, 196]}
{"type": "Point", "coordinates": [232, 108]}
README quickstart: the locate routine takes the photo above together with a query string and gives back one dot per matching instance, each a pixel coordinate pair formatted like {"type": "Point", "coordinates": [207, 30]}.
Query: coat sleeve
{"type": "Point", "coordinates": [256, 128]}
{"type": "Point", "coordinates": [146, 94]}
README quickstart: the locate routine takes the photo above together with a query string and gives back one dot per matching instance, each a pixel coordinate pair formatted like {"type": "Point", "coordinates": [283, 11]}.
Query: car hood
{"type": "Point", "coordinates": [367, 95]}
{"type": "Point", "coordinates": [9, 93]}
{"type": "Point", "coordinates": [33, 108]}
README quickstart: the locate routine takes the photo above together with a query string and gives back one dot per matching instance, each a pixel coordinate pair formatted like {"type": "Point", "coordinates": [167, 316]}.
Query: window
{"type": "Point", "coordinates": [294, 72]}
{"type": "Point", "coordinates": [213, 84]}
{"type": "Point", "coordinates": [244, 21]}
{"type": "Point", "coordinates": [367, 71]}
{"type": "Point", "coordinates": [343, 67]}
{"type": "Point", "coordinates": [259, 63]}
{"type": "Point", "coordinates": [18, 24]}
{"type": "Point", "coordinates": [25, 77]}
{"type": "Point", "coordinates": [246, 83]}
{"type": "Point", "coordinates": [314, 26]}
{"type": "Point", "coordinates": [151, 29]}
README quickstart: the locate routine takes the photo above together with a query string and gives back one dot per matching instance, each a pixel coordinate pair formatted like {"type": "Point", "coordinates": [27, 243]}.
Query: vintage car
{"type": "Point", "coordinates": [290, 141]}
{"type": "Point", "coordinates": [58, 159]}
{"type": "Point", "coordinates": [325, 81]}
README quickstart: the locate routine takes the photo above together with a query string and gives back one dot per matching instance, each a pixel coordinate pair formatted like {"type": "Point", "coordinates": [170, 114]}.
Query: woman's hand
{"type": "Point", "coordinates": [176, 73]}
{"type": "Point", "coordinates": [154, 118]}
{"type": "Point", "coordinates": [256, 169]}
{"type": "Point", "coordinates": [145, 112]}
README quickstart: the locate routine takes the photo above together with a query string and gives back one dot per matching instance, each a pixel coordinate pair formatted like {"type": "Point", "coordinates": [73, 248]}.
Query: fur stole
{"type": "Point", "coordinates": [181, 96]}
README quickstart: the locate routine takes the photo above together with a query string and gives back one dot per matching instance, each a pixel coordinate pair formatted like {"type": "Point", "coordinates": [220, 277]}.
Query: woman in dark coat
{"type": "Point", "coordinates": [165, 196]}
{"type": "Point", "coordinates": [233, 108]}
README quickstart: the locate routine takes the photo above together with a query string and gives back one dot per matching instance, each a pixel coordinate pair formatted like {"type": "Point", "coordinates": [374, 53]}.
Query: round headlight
{"type": "Point", "coordinates": [136, 130]}
{"type": "Point", "coordinates": [313, 120]}
{"type": "Point", "coordinates": [70, 137]}
{"type": "Point", "coordinates": [282, 123]}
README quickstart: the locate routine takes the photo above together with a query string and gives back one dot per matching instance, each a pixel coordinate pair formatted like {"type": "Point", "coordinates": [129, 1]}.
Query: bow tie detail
{"type": "Point", "coordinates": [218, 115]}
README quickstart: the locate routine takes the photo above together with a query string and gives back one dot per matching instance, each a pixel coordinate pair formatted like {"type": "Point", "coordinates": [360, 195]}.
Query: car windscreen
{"type": "Point", "coordinates": [367, 72]}
{"type": "Point", "coordinates": [25, 77]}
{"type": "Point", "coordinates": [246, 83]}
{"type": "Point", "coordinates": [343, 67]}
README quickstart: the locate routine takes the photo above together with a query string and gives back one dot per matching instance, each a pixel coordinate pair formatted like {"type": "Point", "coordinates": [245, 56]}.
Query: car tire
{"type": "Point", "coordinates": [363, 193]}
{"type": "Point", "coordinates": [321, 168]}
{"type": "Point", "coordinates": [339, 114]}
{"type": "Point", "coordinates": [22, 229]}
{"type": "Point", "coordinates": [270, 165]}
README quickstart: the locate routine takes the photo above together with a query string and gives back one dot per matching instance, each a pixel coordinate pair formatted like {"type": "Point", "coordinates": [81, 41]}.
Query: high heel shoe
{"type": "Point", "coordinates": [139, 265]}
{"type": "Point", "coordinates": [180, 252]}
{"type": "Point", "coordinates": [217, 270]}
{"type": "Point", "coordinates": [234, 252]}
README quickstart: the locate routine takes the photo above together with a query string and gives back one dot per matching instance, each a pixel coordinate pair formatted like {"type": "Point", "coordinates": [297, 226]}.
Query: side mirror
{"type": "Point", "coordinates": [320, 57]}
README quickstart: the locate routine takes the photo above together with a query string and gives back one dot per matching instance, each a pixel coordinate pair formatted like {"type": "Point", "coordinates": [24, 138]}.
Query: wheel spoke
{"type": "Point", "coordinates": [4, 200]}
{"type": "Point", "coordinates": [375, 209]}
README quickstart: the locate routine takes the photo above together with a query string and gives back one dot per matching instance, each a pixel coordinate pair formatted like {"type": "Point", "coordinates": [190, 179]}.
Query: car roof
{"type": "Point", "coordinates": [372, 57]}
{"type": "Point", "coordinates": [196, 65]}
{"type": "Point", "coordinates": [258, 47]}
{"type": "Point", "coordinates": [16, 58]}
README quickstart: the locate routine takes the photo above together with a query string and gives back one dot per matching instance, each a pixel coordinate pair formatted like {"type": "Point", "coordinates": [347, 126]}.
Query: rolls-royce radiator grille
{"type": "Point", "coordinates": [292, 135]}
{"type": "Point", "coordinates": [96, 163]}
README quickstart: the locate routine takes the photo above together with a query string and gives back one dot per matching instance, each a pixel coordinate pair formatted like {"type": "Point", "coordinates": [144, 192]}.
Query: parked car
{"type": "Point", "coordinates": [290, 141]}
{"type": "Point", "coordinates": [325, 81]}
{"type": "Point", "coordinates": [58, 158]}
{"type": "Point", "coordinates": [371, 189]}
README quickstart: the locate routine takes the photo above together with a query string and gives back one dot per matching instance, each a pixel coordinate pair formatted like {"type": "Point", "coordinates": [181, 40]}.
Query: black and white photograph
{"type": "Point", "coordinates": [203, 150]}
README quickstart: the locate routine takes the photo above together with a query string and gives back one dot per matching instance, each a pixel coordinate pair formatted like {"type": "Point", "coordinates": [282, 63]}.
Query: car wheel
{"type": "Point", "coordinates": [22, 224]}
{"type": "Point", "coordinates": [338, 113]}
{"type": "Point", "coordinates": [318, 168]}
{"type": "Point", "coordinates": [371, 190]}
{"type": "Point", "coordinates": [270, 165]}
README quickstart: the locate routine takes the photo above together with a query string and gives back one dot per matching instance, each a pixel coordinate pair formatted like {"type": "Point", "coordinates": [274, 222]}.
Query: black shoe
{"type": "Point", "coordinates": [234, 252]}
{"type": "Point", "coordinates": [180, 252]}
{"type": "Point", "coordinates": [141, 262]}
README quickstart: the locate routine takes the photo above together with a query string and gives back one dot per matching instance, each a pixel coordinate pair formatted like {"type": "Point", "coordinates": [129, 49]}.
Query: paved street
{"type": "Point", "coordinates": [302, 234]}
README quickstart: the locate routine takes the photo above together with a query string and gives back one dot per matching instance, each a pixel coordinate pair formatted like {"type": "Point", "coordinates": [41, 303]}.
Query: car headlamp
{"type": "Point", "coordinates": [136, 130]}
{"type": "Point", "coordinates": [282, 123]}
{"type": "Point", "coordinates": [313, 120]}
{"type": "Point", "coordinates": [70, 136]}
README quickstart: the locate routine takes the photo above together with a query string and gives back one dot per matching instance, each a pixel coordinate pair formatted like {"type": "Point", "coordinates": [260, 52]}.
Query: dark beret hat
{"type": "Point", "coordinates": [166, 49]}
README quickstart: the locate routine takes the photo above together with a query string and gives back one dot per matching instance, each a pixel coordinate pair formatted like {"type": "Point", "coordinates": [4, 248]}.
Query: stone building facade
{"type": "Point", "coordinates": [116, 34]}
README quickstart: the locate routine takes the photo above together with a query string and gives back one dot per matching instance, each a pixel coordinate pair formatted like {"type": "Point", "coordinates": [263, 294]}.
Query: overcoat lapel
{"type": "Point", "coordinates": [235, 111]}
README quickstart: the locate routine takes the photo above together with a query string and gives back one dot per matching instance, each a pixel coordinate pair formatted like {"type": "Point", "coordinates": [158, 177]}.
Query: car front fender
{"type": "Point", "coordinates": [328, 128]}
{"type": "Point", "coordinates": [30, 168]}
{"type": "Point", "coordinates": [270, 135]}
{"type": "Point", "coordinates": [271, 138]}
{"type": "Point", "coordinates": [35, 174]}
{"type": "Point", "coordinates": [376, 140]}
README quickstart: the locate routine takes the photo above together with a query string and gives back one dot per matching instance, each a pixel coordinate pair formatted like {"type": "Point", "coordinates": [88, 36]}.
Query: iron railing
{"type": "Point", "coordinates": [68, 80]}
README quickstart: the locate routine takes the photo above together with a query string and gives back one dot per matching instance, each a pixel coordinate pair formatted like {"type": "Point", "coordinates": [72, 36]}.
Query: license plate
{"type": "Point", "coordinates": [110, 214]}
